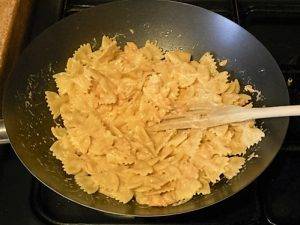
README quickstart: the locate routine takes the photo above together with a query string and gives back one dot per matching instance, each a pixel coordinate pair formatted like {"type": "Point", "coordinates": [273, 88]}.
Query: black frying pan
{"type": "Point", "coordinates": [173, 25]}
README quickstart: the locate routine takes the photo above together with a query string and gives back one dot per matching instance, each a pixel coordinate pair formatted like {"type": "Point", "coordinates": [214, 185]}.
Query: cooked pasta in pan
{"type": "Point", "coordinates": [109, 97]}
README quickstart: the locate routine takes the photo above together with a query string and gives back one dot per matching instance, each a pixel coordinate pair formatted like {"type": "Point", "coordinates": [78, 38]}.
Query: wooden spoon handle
{"type": "Point", "coordinates": [267, 112]}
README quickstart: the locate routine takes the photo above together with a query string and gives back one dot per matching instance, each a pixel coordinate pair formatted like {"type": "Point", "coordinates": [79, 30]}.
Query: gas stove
{"type": "Point", "coordinates": [273, 198]}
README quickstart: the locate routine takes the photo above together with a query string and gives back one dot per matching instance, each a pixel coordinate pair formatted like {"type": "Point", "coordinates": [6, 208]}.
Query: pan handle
{"type": "Point", "coordinates": [3, 135]}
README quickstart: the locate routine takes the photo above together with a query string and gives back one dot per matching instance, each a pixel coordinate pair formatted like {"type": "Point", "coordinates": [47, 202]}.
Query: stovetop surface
{"type": "Point", "coordinates": [274, 198]}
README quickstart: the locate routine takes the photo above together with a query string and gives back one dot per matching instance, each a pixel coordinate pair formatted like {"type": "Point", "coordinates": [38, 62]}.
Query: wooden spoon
{"type": "Point", "coordinates": [202, 118]}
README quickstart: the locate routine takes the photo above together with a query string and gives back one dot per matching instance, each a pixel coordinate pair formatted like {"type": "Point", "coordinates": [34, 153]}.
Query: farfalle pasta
{"type": "Point", "coordinates": [108, 99]}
